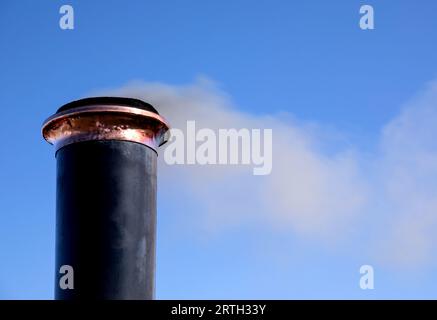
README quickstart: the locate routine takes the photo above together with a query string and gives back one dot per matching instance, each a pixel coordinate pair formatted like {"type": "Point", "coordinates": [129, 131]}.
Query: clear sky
{"type": "Point", "coordinates": [306, 64]}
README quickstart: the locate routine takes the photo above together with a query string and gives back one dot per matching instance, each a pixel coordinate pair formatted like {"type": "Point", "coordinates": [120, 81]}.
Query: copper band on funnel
{"type": "Point", "coordinates": [106, 122]}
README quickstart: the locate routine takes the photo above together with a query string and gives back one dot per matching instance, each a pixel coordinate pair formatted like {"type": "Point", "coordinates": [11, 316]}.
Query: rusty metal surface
{"type": "Point", "coordinates": [106, 122]}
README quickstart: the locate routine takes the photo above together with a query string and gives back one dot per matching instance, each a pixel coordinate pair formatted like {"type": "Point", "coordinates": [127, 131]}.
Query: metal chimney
{"type": "Point", "coordinates": [106, 153]}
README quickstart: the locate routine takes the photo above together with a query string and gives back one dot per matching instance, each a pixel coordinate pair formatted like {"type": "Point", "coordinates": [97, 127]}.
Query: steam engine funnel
{"type": "Point", "coordinates": [106, 154]}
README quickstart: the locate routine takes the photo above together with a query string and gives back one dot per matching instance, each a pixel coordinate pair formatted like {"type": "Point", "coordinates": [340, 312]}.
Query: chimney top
{"type": "Point", "coordinates": [106, 118]}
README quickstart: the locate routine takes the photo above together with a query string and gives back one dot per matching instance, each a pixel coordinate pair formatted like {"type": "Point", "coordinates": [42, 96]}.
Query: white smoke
{"type": "Point", "coordinates": [407, 174]}
{"type": "Point", "coordinates": [312, 192]}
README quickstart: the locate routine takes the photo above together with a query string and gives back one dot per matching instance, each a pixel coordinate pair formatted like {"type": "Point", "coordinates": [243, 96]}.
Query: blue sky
{"type": "Point", "coordinates": [309, 61]}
